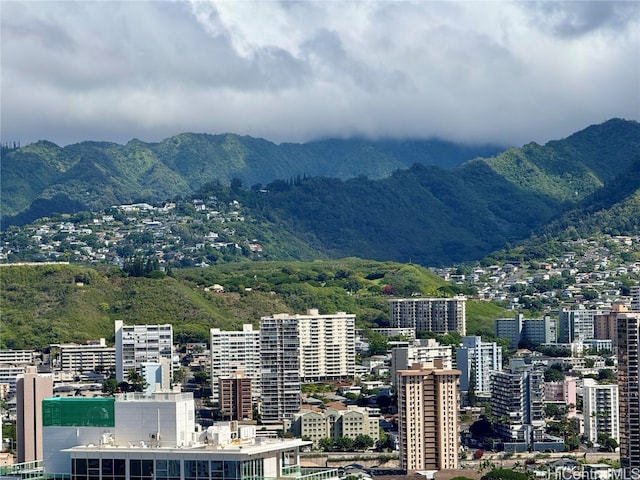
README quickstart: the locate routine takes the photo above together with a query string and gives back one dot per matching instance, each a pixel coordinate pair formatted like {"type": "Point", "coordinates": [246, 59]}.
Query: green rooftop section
{"type": "Point", "coordinates": [78, 412]}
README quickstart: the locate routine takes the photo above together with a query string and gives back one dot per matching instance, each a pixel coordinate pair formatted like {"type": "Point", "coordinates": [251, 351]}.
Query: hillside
{"type": "Point", "coordinates": [60, 303]}
{"type": "Point", "coordinates": [433, 216]}
{"type": "Point", "coordinates": [423, 214]}
{"type": "Point", "coordinates": [43, 178]}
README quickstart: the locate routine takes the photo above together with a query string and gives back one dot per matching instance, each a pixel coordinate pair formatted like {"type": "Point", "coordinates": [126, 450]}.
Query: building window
{"type": "Point", "coordinates": [167, 470]}
{"type": "Point", "coordinates": [196, 469]}
{"type": "Point", "coordinates": [79, 469]}
{"type": "Point", "coordinates": [113, 469]}
{"type": "Point", "coordinates": [140, 469]}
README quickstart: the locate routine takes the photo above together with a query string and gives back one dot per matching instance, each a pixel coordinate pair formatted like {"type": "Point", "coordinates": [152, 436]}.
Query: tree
{"type": "Point", "coordinates": [362, 442]}
{"type": "Point", "coordinates": [178, 376]}
{"type": "Point", "coordinates": [607, 443]}
{"type": "Point", "coordinates": [344, 444]}
{"type": "Point", "coordinates": [377, 342]}
{"type": "Point", "coordinates": [200, 377]}
{"type": "Point", "coordinates": [606, 376]}
{"type": "Point", "coordinates": [235, 185]}
{"type": "Point", "coordinates": [553, 374]}
{"type": "Point", "coordinates": [553, 410]}
{"type": "Point", "coordinates": [503, 474]}
{"type": "Point", "coordinates": [110, 386]}
{"type": "Point", "coordinates": [326, 444]}
{"type": "Point", "coordinates": [136, 381]}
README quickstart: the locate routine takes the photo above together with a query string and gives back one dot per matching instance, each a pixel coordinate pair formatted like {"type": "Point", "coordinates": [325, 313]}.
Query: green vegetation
{"type": "Point", "coordinates": [47, 304]}
{"type": "Point", "coordinates": [35, 174]}
{"type": "Point", "coordinates": [504, 474]}
{"type": "Point", "coordinates": [385, 200]}
{"type": "Point", "coordinates": [481, 317]}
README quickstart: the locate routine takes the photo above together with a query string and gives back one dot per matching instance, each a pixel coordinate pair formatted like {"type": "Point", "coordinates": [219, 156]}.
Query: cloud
{"type": "Point", "coordinates": [295, 71]}
{"type": "Point", "coordinates": [578, 18]}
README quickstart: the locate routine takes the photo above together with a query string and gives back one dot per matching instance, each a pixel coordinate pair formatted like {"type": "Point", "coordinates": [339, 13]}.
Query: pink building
{"type": "Point", "coordinates": [562, 392]}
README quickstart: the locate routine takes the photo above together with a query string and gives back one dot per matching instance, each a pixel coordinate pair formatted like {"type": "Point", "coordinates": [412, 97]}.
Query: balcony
{"type": "Point", "coordinates": [296, 472]}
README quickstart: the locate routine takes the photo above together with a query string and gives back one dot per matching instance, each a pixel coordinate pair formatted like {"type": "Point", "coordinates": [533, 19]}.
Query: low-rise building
{"type": "Point", "coordinates": [131, 436]}
{"type": "Point", "coordinates": [89, 357]}
{"type": "Point", "coordinates": [334, 424]}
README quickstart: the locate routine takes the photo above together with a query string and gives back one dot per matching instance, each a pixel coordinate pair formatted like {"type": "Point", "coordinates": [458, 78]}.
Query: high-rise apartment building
{"type": "Point", "coordinates": [635, 298]}
{"type": "Point", "coordinates": [577, 324]}
{"type": "Point", "coordinates": [236, 399]}
{"type": "Point", "coordinates": [31, 389]}
{"type": "Point", "coordinates": [476, 360]}
{"type": "Point", "coordinates": [297, 348]}
{"type": "Point", "coordinates": [604, 325]}
{"type": "Point", "coordinates": [137, 344]}
{"type": "Point", "coordinates": [419, 351]}
{"type": "Point", "coordinates": [86, 358]}
{"type": "Point", "coordinates": [233, 351]}
{"type": "Point", "coordinates": [280, 367]}
{"type": "Point", "coordinates": [629, 388]}
{"type": "Point", "coordinates": [600, 407]}
{"type": "Point", "coordinates": [439, 315]}
{"type": "Point", "coordinates": [517, 400]}
{"type": "Point", "coordinates": [17, 357]}
{"type": "Point", "coordinates": [327, 346]}
{"type": "Point", "coordinates": [428, 417]}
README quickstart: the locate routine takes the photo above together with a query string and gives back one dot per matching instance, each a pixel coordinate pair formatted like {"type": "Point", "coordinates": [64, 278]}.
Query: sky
{"type": "Point", "coordinates": [294, 71]}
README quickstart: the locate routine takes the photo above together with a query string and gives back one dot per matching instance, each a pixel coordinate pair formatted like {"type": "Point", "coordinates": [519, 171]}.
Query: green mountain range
{"type": "Point", "coordinates": [42, 177]}
{"type": "Point", "coordinates": [424, 214]}
{"type": "Point", "coordinates": [434, 216]}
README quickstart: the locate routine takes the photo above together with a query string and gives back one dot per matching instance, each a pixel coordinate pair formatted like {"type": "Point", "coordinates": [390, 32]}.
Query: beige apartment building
{"type": "Point", "coordinates": [31, 389]}
{"type": "Point", "coordinates": [331, 423]}
{"type": "Point", "coordinates": [428, 417]}
{"type": "Point", "coordinates": [327, 346]}
{"type": "Point", "coordinates": [86, 358]}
